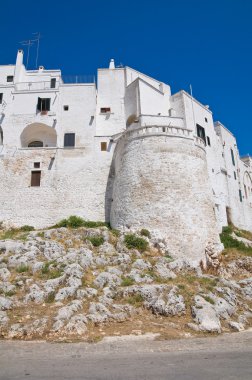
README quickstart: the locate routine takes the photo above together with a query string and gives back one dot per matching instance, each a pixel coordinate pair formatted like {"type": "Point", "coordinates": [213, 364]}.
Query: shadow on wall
{"type": "Point", "coordinates": [109, 190]}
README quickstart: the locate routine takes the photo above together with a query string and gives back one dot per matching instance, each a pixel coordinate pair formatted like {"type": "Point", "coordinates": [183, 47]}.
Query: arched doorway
{"type": "Point", "coordinates": [38, 135]}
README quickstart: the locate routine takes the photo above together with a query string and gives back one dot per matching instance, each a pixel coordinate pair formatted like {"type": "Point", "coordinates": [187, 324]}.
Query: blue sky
{"type": "Point", "coordinates": [207, 43]}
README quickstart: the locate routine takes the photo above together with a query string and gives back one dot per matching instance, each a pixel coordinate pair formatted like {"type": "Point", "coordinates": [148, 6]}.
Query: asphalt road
{"type": "Point", "coordinates": [224, 357]}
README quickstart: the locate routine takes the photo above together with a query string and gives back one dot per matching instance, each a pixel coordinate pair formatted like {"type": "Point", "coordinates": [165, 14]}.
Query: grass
{"type": "Point", "coordinates": [49, 271]}
{"type": "Point", "coordinates": [131, 241]}
{"type": "Point", "coordinates": [16, 233]}
{"type": "Point", "coordinates": [76, 221]}
{"type": "Point", "coordinates": [10, 293]}
{"type": "Point", "coordinates": [209, 299]}
{"type": "Point", "coordinates": [230, 243]}
{"type": "Point", "coordinates": [135, 300]}
{"type": "Point", "coordinates": [22, 268]}
{"type": "Point", "coordinates": [127, 281]}
{"type": "Point", "coordinates": [50, 298]}
{"type": "Point", "coordinates": [244, 234]}
{"type": "Point", "coordinates": [145, 232]}
{"type": "Point", "coordinates": [96, 240]}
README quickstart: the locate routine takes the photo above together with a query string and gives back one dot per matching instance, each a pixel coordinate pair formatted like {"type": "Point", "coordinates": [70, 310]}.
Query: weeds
{"type": "Point", "coordinates": [22, 268]}
{"type": "Point", "coordinates": [127, 281]}
{"type": "Point", "coordinates": [145, 232]}
{"type": "Point", "coordinates": [96, 240]}
{"type": "Point", "coordinates": [135, 300]}
{"type": "Point", "coordinates": [229, 242]}
{"type": "Point", "coordinates": [76, 222]}
{"type": "Point", "coordinates": [131, 241]}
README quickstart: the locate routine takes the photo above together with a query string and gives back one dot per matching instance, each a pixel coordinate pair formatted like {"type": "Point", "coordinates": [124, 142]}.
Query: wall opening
{"type": "Point", "coordinates": [38, 135]}
{"type": "Point", "coordinates": [35, 178]}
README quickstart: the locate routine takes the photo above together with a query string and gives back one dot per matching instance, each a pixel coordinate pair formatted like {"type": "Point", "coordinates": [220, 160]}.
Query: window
{"type": "Point", "coordinates": [240, 195]}
{"type": "Point", "coordinates": [66, 108]}
{"type": "Point", "coordinates": [103, 146]}
{"type": "Point", "coordinates": [35, 144]}
{"type": "Point", "coordinates": [35, 178]}
{"type": "Point", "coordinates": [235, 175]}
{"type": "Point", "coordinates": [208, 141]}
{"type": "Point", "coordinates": [163, 129]}
{"type": "Point", "coordinates": [232, 156]}
{"type": "Point", "coordinates": [1, 98]}
{"type": "Point", "coordinates": [36, 165]}
{"type": "Point", "coordinates": [10, 78]}
{"type": "Point", "coordinates": [105, 110]}
{"type": "Point", "coordinates": [69, 139]}
{"type": "Point", "coordinates": [53, 83]}
{"type": "Point", "coordinates": [206, 120]}
{"type": "Point", "coordinates": [201, 132]}
{"type": "Point", "coordinates": [44, 104]}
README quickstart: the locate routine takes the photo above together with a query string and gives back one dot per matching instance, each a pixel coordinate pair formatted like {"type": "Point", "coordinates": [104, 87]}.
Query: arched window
{"type": "Point", "coordinates": [35, 144]}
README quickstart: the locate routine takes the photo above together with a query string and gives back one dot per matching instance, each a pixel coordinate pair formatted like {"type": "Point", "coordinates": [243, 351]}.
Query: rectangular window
{"type": "Point", "coordinates": [35, 178]}
{"type": "Point", "coordinates": [69, 139]}
{"type": "Point", "coordinates": [44, 104]}
{"type": "Point", "coordinates": [105, 110]}
{"type": "Point", "coordinates": [53, 82]}
{"type": "Point", "coordinates": [36, 165]}
{"type": "Point", "coordinates": [234, 175]}
{"type": "Point", "coordinates": [206, 120]}
{"type": "Point", "coordinates": [201, 132]}
{"type": "Point", "coordinates": [240, 195]}
{"type": "Point", "coordinates": [10, 78]}
{"type": "Point", "coordinates": [103, 146]}
{"type": "Point", "coordinates": [232, 156]}
{"type": "Point", "coordinates": [66, 108]}
{"type": "Point", "coordinates": [1, 98]}
{"type": "Point", "coordinates": [208, 141]}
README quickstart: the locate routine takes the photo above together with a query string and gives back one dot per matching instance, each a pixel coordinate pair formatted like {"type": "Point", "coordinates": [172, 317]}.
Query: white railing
{"type": "Point", "coordinates": [145, 120]}
{"type": "Point", "coordinates": [36, 86]}
{"type": "Point", "coordinates": [159, 130]}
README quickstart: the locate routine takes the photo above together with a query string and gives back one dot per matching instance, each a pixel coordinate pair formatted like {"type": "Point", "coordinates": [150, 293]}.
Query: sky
{"type": "Point", "coordinates": [205, 43]}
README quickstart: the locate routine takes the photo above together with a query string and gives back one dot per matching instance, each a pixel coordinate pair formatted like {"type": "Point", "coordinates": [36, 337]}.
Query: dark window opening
{"type": "Point", "coordinates": [235, 175]}
{"type": "Point", "coordinates": [105, 110]}
{"type": "Point", "coordinates": [1, 98]}
{"type": "Point", "coordinates": [10, 78]}
{"type": "Point", "coordinates": [53, 82]}
{"type": "Point", "coordinates": [35, 178]}
{"type": "Point", "coordinates": [232, 156]}
{"type": "Point", "coordinates": [66, 108]}
{"type": "Point", "coordinates": [206, 120]}
{"type": "Point", "coordinates": [240, 195]}
{"type": "Point", "coordinates": [69, 139]}
{"type": "Point", "coordinates": [35, 144]}
{"type": "Point", "coordinates": [201, 132]}
{"type": "Point", "coordinates": [36, 165]}
{"type": "Point", "coordinates": [1, 136]}
{"type": "Point", "coordinates": [44, 104]}
{"type": "Point", "coordinates": [103, 146]}
{"type": "Point", "coordinates": [163, 129]}
{"type": "Point", "coordinates": [208, 141]}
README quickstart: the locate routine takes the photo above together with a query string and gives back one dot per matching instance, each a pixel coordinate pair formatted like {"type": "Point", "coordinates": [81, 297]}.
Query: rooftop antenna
{"type": "Point", "coordinates": [37, 39]}
{"type": "Point", "coordinates": [27, 43]}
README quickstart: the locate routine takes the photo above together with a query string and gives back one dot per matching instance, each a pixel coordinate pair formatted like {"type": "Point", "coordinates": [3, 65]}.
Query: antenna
{"type": "Point", "coordinates": [27, 43]}
{"type": "Point", "coordinates": [37, 39]}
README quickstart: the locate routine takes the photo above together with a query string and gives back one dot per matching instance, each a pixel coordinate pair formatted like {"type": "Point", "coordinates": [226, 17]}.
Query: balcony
{"type": "Point", "coordinates": [36, 86]}
{"type": "Point", "coordinates": [158, 120]}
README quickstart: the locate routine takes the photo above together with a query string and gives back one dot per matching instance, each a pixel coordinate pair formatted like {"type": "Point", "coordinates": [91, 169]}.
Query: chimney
{"type": "Point", "coordinates": [19, 65]}
{"type": "Point", "coordinates": [112, 64]}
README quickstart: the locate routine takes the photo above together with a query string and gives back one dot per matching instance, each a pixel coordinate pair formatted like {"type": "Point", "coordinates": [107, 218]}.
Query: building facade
{"type": "Point", "coordinates": [126, 151]}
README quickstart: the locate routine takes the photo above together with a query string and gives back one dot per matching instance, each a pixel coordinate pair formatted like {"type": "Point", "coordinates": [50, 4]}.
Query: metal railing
{"type": "Point", "coordinates": [36, 86]}
{"type": "Point", "coordinates": [71, 79]}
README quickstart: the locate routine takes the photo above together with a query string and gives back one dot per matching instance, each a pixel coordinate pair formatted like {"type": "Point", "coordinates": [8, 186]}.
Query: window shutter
{"type": "Point", "coordinates": [1, 98]}
{"type": "Point", "coordinates": [53, 82]}
{"type": "Point", "coordinates": [39, 104]}
{"type": "Point", "coordinates": [47, 104]}
{"type": "Point", "coordinates": [69, 139]}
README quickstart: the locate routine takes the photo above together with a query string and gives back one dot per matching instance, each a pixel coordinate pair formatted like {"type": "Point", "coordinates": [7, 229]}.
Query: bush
{"type": "Point", "coordinates": [127, 281]}
{"type": "Point", "coordinates": [145, 232]}
{"type": "Point", "coordinates": [229, 242]}
{"type": "Point", "coordinates": [76, 222]}
{"type": "Point", "coordinates": [96, 240]}
{"type": "Point", "coordinates": [22, 268]}
{"type": "Point", "coordinates": [26, 228]}
{"type": "Point", "coordinates": [132, 241]}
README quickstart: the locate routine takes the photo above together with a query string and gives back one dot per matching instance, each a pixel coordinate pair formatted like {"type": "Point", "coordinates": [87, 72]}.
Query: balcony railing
{"type": "Point", "coordinates": [36, 86]}
{"type": "Point", "coordinates": [146, 120]}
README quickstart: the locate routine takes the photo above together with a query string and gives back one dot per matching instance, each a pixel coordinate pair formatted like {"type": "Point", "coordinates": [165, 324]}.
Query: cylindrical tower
{"type": "Point", "coordinates": [161, 183]}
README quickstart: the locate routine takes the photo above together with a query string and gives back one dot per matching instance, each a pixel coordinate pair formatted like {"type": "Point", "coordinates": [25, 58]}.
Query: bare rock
{"type": "Point", "coordinates": [205, 315]}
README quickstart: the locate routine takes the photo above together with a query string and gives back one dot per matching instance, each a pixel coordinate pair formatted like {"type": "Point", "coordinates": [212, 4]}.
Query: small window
{"type": "Point", "coordinates": [240, 195]}
{"type": "Point", "coordinates": [163, 129]}
{"type": "Point", "coordinates": [69, 139]}
{"type": "Point", "coordinates": [35, 144]}
{"type": "Point", "coordinates": [103, 146]}
{"type": "Point", "coordinates": [66, 108]}
{"type": "Point", "coordinates": [232, 156]}
{"type": "Point", "coordinates": [10, 78]}
{"type": "Point", "coordinates": [206, 120]}
{"type": "Point", "coordinates": [1, 98]}
{"type": "Point", "coordinates": [53, 83]}
{"type": "Point", "coordinates": [235, 175]}
{"type": "Point", "coordinates": [44, 104]}
{"type": "Point", "coordinates": [35, 178]}
{"type": "Point", "coordinates": [208, 141]}
{"type": "Point", "coordinates": [105, 110]}
{"type": "Point", "coordinates": [201, 132]}
{"type": "Point", "coordinates": [36, 165]}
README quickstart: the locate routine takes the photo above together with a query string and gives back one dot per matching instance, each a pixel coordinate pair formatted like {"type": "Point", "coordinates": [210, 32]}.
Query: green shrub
{"type": "Point", "coordinates": [45, 268]}
{"type": "Point", "coordinates": [135, 300]}
{"type": "Point", "coordinates": [96, 240]}
{"type": "Point", "coordinates": [229, 242]}
{"type": "Point", "coordinates": [22, 268]}
{"type": "Point", "coordinates": [26, 228]}
{"type": "Point", "coordinates": [50, 298]}
{"type": "Point", "coordinates": [209, 299]}
{"type": "Point", "coordinates": [76, 222]}
{"type": "Point", "coordinates": [145, 232]}
{"type": "Point", "coordinates": [127, 281]}
{"type": "Point", "coordinates": [132, 241]}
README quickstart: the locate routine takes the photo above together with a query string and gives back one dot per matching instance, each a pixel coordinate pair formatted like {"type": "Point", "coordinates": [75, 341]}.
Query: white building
{"type": "Point", "coordinates": [127, 151]}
